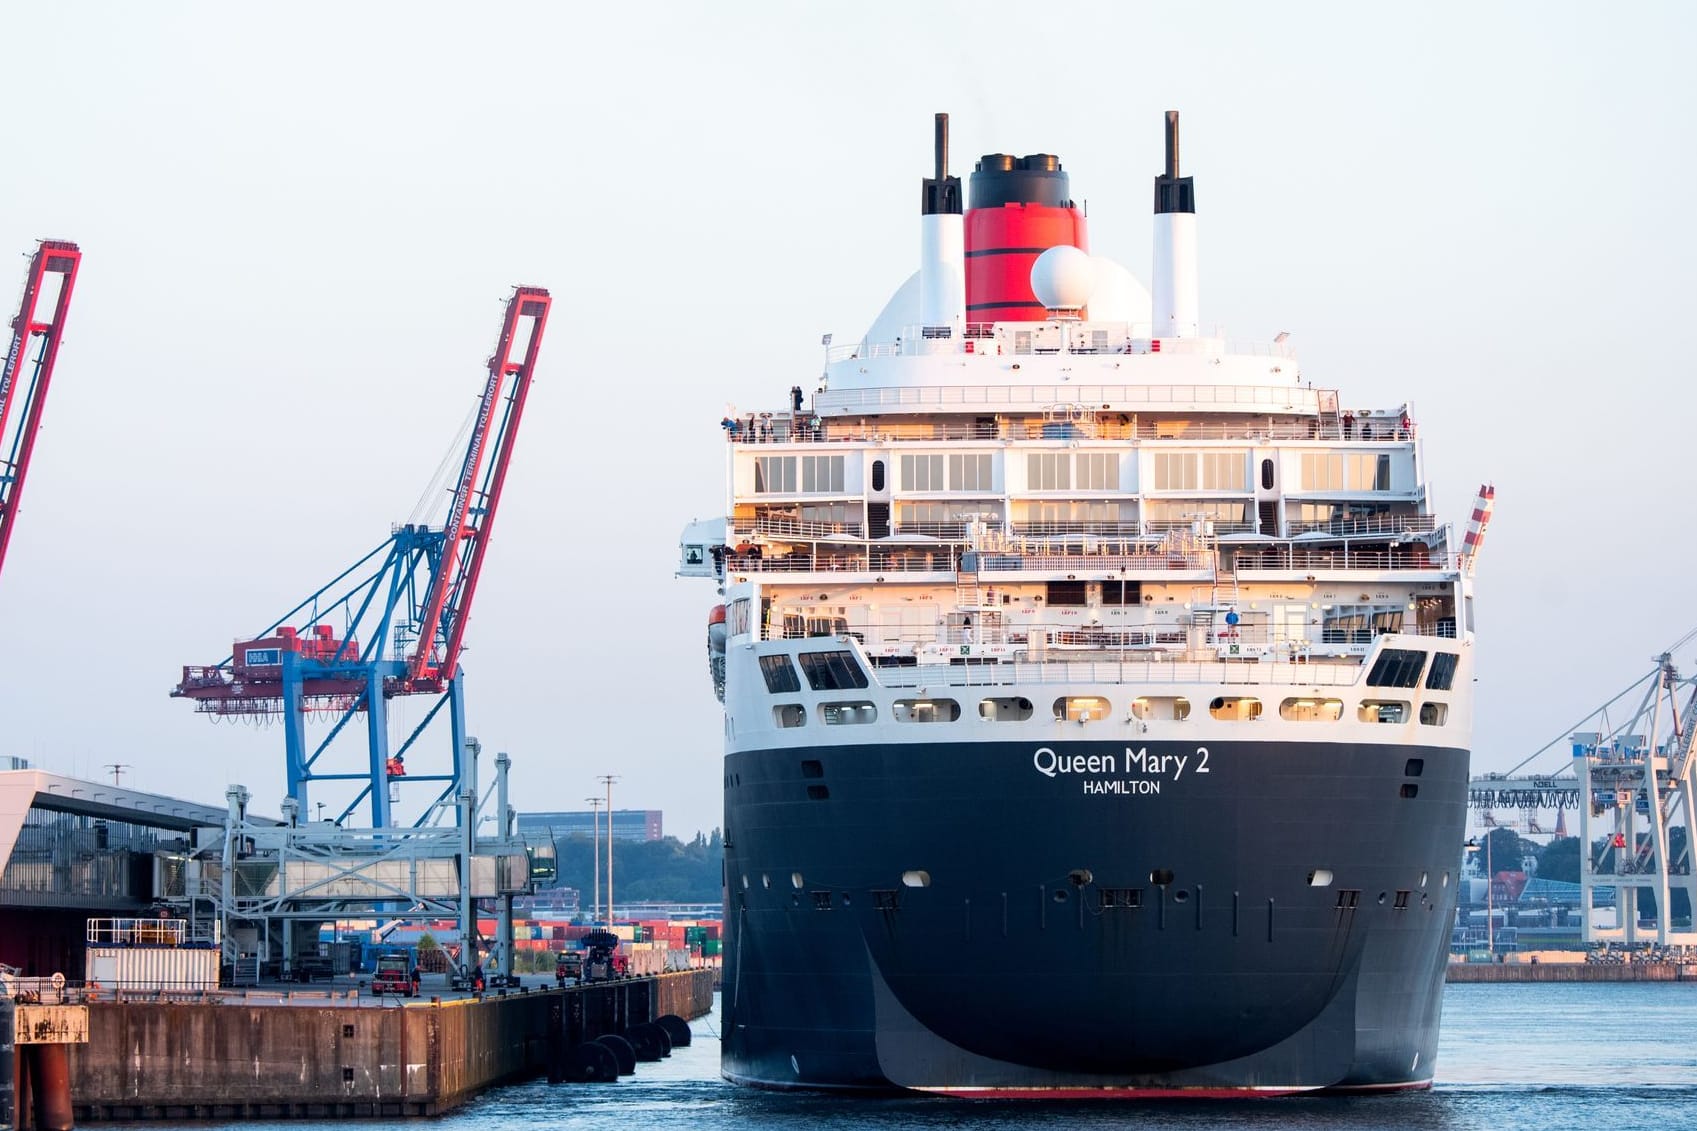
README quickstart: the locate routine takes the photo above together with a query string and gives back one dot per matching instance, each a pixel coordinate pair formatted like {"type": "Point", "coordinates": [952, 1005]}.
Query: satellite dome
{"type": "Point", "coordinates": [1063, 277]}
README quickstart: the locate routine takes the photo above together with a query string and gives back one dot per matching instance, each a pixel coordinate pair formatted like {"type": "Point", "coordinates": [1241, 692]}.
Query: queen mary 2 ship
{"type": "Point", "coordinates": [1097, 692]}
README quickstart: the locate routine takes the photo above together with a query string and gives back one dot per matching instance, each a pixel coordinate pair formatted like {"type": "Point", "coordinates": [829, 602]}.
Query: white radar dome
{"type": "Point", "coordinates": [1063, 277]}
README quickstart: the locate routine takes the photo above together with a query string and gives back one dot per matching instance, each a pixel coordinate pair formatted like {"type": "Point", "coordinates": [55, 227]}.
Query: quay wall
{"type": "Point", "coordinates": [1571, 972]}
{"type": "Point", "coordinates": [232, 1057]}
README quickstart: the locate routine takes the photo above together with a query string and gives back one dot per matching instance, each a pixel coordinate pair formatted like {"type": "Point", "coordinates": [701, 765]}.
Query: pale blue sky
{"type": "Point", "coordinates": [300, 221]}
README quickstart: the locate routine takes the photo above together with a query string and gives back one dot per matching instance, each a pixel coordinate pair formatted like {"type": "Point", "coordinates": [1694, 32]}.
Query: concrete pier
{"type": "Point", "coordinates": [1570, 972]}
{"type": "Point", "coordinates": [227, 1059]}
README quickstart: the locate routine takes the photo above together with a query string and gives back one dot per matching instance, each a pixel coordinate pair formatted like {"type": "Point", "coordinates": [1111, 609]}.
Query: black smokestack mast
{"type": "Point", "coordinates": [1173, 193]}
{"type": "Point", "coordinates": [940, 195]}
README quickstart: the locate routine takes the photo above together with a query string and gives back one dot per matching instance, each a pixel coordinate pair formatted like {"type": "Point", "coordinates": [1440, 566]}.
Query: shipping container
{"type": "Point", "coordinates": [152, 968]}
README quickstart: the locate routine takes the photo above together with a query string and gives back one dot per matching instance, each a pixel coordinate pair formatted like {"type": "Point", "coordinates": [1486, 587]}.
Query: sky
{"type": "Point", "coordinates": [300, 223]}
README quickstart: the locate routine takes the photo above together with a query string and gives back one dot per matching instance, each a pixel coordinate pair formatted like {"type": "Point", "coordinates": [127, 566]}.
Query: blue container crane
{"type": "Point", "coordinates": [409, 598]}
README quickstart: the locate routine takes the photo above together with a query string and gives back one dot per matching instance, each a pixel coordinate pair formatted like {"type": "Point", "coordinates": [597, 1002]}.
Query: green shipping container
{"type": "Point", "coordinates": [710, 947]}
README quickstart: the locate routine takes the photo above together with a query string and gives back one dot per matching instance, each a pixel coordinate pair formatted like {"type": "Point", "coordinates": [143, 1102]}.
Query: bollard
{"type": "Point", "coordinates": [52, 1087]}
{"type": "Point", "coordinates": [23, 1102]}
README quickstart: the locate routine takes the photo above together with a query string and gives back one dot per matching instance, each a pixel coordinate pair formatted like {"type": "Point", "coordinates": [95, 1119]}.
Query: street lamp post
{"type": "Point", "coordinates": [608, 780]}
{"type": "Point", "coordinates": [1490, 902]}
{"type": "Point", "coordinates": [1490, 895]}
{"type": "Point", "coordinates": [595, 869]}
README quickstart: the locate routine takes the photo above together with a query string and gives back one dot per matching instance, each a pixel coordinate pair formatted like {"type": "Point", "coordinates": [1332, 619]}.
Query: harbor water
{"type": "Point", "coordinates": [1532, 1056]}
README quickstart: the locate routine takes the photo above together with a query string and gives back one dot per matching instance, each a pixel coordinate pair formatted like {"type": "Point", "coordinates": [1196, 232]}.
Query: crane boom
{"type": "Point", "coordinates": [52, 257]}
{"type": "Point", "coordinates": [477, 493]}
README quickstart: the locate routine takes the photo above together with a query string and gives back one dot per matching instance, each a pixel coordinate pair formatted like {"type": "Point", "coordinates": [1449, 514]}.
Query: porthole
{"type": "Point", "coordinates": [1320, 878]}
{"type": "Point", "coordinates": [1235, 708]}
{"type": "Point", "coordinates": [1080, 708]}
{"type": "Point", "coordinates": [916, 878]}
{"type": "Point", "coordinates": [796, 881]}
{"type": "Point", "coordinates": [1311, 710]}
{"type": "Point", "coordinates": [925, 710]}
{"type": "Point", "coordinates": [847, 714]}
{"type": "Point", "coordinates": [1382, 711]}
{"type": "Point", "coordinates": [1013, 709]}
{"type": "Point", "coordinates": [1175, 707]}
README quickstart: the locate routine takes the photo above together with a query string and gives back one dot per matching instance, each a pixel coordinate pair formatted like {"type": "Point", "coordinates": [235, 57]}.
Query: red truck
{"type": "Point", "coordinates": [393, 976]}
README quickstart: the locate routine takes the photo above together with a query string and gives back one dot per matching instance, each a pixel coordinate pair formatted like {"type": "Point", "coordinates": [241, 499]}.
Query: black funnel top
{"type": "Point", "coordinates": [940, 195]}
{"type": "Point", "coordinates": [1173, 193]}
{"type": "Point", "coordinates": [1038, 179]}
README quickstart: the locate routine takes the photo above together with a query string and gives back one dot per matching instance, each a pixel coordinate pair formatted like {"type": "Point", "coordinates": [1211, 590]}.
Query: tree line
{"type": "Point", "coordinates": [665, 870]}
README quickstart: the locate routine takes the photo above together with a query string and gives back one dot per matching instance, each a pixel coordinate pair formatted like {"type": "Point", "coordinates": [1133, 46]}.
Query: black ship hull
{"type": "Point", "coordinates": [1089, 918]}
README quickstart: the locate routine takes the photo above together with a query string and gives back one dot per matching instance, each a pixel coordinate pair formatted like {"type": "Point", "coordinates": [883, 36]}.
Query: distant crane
{"type": "Point", "coordinates": [53, 266]}
{"type": "Point", "coordinates": [412, 594]}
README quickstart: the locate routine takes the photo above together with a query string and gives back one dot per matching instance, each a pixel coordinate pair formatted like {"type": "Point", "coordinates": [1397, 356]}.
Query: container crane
{"type": "Point", "coordinates": [410, 599]}
{"type": "Point", "coordinates": [55, 262]}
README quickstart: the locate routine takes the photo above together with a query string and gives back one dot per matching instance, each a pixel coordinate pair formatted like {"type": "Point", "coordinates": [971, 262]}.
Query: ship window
{"type": "Point", "coordinates": [831, 671]}
{"type": "Point", "coordinates": [780, 674]}
{"type": "Point", "coordinates": [1442, 674]}
{"type": "Point", "coordinates": [1079, 708]}
{"type": "Point", "coordinates": [1098, 471]}
{"type": "Point", "coordinates": [926, 710]}
{"type": "Point", "coordinates": [847, 714]}
{"type": "Point", "coordinates": [1397, 667]}
{"type": "Point", "coordinates": [1065, 593]}
{"type": "Point", "coordinates": [1382, 711]}
{"type": "Point", "coordinates": [1320, 878]}
{"type": "Point", "coordinates": [1174, 707]}
{"type": "Point", "coordinates": [822, 474]}
{"type": "Point", "coordinates": [774, 475]}
{"type": "Point", "coordinates": [877, 475]}
{"type": "Point", "coordinates": [1235, 708]}
{"type": "Point", "coordinates": [1175, 471]}
{"type": "Point", "coordinates": [1267, 475]}
{"type": "Point", "coordinates": [789, 715]}
{"type": "Point", "coordinates": [1224, 471]}
{"type": "Point", "coordinates": [970, 472]}
{"type": "Point", "coordinates": [1048, 471]}
{"type": "Point", "coordinates": [1305, 710]}
{"type": "Point", "coordinates": [1122, 592]}
{"type": "Point", "coordinates": [796, 880]}
{"type": "Point", "coordinates": [1434, 714]}
{"type": "Point", "coordinates": [916, 878]}
{"type": "Point", "coordinates": [1014, 709]}
{"type": "Point", "coordinates": [922, 473]}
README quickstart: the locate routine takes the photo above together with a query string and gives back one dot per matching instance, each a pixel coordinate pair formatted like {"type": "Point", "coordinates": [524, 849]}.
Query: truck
{"type": "Point", "coordinates": [393, 975]}
{"type": "Point", "coordinates": [602, 962]}
{"type": "Point", "coordinates": [568, 964]}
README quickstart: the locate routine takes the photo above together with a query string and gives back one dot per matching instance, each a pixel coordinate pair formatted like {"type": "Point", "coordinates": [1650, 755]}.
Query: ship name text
{"type": "Point", "coordinates": [1146, 770]}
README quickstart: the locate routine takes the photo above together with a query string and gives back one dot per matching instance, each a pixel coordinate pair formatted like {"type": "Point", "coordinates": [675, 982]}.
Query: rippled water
{"type": "Point", "coordinates": [1539, 1057]}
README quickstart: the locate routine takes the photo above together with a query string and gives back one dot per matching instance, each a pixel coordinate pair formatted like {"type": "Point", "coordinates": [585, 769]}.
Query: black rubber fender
{"type": "Point", "coordinates": [591, 1063]}
{"type": "Point", "coordinates": [649, 1041]}
{"type": "Point", "coordinates": [676, 1028]}
{"type": "Point", "coordinates": [622, 1049]}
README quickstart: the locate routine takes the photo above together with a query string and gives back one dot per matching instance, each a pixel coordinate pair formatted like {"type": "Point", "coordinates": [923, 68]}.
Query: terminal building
{"type": "Point", "coordinates": [628, 824]}
{"type": "Point", "coordinates": [77, 850]}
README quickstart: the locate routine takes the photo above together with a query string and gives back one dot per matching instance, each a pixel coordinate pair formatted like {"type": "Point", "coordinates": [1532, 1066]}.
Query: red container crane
{"type": "Point", "coordinates": [52, 258]}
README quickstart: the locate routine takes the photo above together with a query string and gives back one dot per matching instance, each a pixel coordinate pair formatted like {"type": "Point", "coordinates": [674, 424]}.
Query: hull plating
{"type": "Point", "coordinates": [1088, 918]}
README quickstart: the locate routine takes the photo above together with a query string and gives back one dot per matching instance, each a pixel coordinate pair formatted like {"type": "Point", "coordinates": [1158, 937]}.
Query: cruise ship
{"type": "Point", "coordinates": [1097, 691]}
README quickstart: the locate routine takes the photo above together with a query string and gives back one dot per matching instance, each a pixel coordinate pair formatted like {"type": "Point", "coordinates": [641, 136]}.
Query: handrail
{"type": "Point", "coordinates": [944, 557]}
